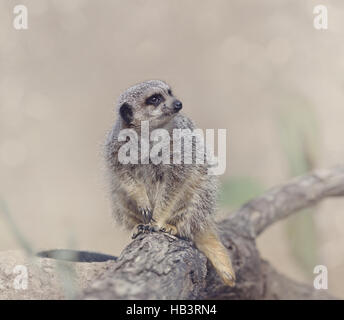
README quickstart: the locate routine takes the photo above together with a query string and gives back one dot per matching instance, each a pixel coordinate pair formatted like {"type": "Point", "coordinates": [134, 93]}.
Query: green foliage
{"type": "Point", "coordinates": [24, 243]}
{"type": "Point", "coordinates": [65, 270]}
{"type": "Point", "coordinates": [235, 191]}
{"type": "Point", "coordinates": [298, 134]}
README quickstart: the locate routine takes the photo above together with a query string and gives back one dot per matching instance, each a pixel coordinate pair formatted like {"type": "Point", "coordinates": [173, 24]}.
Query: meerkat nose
{"type": "Point", "coordinates": [177, 105]}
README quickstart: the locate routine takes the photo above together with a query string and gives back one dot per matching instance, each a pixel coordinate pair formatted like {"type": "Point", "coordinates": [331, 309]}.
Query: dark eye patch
{"type": "Point", "coordinates": [169, 91]}
{"type": "Point", "coordinates": [155, 99]}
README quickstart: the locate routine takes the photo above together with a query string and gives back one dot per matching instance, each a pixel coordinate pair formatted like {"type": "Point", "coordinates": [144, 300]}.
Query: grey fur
{"type": "Point", "coordinates": [189, 183]}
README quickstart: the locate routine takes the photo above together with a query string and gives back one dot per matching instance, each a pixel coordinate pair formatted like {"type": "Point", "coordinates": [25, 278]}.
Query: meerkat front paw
{"type": "Point", "coordinates": [168, 228]}
{"type": "Point", "coordinates": [141, 229]}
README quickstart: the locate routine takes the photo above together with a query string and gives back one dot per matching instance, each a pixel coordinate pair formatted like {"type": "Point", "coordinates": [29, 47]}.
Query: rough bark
{"type": "Point", "coordinates": [154, 266]}
{"type": "Point", "coordinates": [46, 278]}
{"type": "Point", "coordinates": [279, 202]}
{"type": "Point", "coordinates": [159, 266]}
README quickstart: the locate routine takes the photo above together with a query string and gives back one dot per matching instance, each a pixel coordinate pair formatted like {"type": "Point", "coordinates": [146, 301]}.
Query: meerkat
{"type": "Point", "coordinates": [179, 199]}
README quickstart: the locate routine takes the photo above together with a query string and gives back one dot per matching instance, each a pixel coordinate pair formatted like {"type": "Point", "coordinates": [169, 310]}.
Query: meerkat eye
{"type": "Point", "coordinates": [155, 99]}
{"type": "Point", "coordinates": [169, 91]}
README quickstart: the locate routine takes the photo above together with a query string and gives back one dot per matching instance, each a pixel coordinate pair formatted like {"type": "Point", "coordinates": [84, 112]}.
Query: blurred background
{"type": "Point", "coordinates": [257, 68]}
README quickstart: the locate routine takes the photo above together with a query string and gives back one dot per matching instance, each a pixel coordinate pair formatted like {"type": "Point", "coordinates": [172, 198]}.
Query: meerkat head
{"type": "Point", "coordinates": [150, 100]}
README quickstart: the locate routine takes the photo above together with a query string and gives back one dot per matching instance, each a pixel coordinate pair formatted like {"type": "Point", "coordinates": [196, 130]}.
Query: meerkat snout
{"type": "Point", "coordinates": [177, 105]}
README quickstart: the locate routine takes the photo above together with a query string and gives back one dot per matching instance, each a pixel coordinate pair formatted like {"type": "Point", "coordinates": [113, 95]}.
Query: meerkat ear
{"type": "Point", "coordinates": [126, 112]}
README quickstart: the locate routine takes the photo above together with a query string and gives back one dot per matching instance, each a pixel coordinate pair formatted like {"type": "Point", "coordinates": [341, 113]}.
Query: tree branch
{"type": "Point", "coordinates": [256, 279]}
{"type": "Point", "coordinates": [281, 201]}
{"type": "Point", "coordinates": [154, 266]}
{"type": "Point", "coordinates": [159, 266]}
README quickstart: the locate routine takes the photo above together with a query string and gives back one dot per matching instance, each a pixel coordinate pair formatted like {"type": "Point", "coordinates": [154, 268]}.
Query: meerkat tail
{"type": "Point", "coordinates": [209, 243]}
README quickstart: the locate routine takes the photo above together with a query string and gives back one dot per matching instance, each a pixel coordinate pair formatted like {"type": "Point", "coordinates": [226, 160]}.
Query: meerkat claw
{"type": "Point", "coordinates": [147, 215]}
{"type": "Point", "coordinates": [143, 228]}
{"type": "Point", "coordinates": [172, 230]}
{"type": "Point", "coordinates": [139, 230]}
